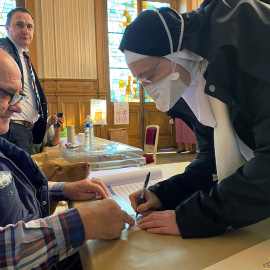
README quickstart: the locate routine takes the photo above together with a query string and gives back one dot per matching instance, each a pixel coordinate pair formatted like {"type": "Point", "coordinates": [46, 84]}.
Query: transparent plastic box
{"type": "Point", "coordinates": [105, 156]}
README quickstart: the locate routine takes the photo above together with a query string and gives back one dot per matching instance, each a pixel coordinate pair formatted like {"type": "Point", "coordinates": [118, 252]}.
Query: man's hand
{"type": "Point", "coordinates": [60, 121]}
{"type": "Point", "coordinates": [162, 222]}
{"type": "Point", "coordinates": [152, 202]}
{"type": "Point", "coordinates": [85, 190]}
{"type": "Point", "coordinates": [52, 120]}
{"type": "Point", "coordinates": [103, 219]}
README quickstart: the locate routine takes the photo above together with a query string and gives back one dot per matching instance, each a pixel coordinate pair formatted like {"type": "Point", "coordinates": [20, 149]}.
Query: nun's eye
{"type": "Point", "coordinates": [58, 169]}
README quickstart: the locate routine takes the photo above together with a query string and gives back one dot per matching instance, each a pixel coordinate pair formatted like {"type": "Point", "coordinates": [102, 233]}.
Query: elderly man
{"type": "Point", "coordinates": [30, 125]}
{"type": "Point", "coordinates": [29, 238]}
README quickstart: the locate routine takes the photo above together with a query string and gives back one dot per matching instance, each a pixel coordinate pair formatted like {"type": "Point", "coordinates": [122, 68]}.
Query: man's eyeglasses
{"type": "Point", "coordinates": [14, 99]}
{"type": "Point", "coordinates": [149, 78]}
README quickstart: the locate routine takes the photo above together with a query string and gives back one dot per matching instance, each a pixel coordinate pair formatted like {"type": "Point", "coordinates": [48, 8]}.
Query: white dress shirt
{"type": "Point", "coordinates": [29, 107]}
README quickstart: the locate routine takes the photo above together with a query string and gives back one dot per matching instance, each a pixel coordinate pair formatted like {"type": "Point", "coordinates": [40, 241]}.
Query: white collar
{"type": "Point", "coordinates": [18, 47]}
{"type": "Point", "coordinates": [197, 100]}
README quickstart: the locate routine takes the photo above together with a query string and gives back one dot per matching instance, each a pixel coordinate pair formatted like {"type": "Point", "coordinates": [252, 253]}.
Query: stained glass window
{"type": "Point", "coordinates": [151, 5]}
{"type": "Point", "coordinates": [122, 85]}
{"type": "Point", "coordinates": [5, 7]}
{"type": "Point", "coordinates": [121, 13]}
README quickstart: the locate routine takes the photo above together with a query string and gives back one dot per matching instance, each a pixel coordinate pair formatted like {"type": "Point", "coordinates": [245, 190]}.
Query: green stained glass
{"type": "Point", "coordinates": [5, 7]}
{"type": "Point", "coordinates": [121, 13]}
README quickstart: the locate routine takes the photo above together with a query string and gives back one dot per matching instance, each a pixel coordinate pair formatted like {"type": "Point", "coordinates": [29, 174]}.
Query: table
{"type": "Point", "coordinates": [141, 250]}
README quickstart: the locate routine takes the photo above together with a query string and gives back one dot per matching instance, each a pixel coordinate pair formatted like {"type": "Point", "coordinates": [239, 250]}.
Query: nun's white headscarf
{"type": "Point", "coordinates": [194, 95]}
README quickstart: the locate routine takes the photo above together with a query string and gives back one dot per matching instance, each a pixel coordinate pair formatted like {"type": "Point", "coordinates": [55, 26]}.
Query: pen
{"type": "Point", "coordinates": [143, 191]}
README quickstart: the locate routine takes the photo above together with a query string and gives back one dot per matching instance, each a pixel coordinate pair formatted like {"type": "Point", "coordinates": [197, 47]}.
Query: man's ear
{"type": "Point", "coordinates": [7, 27]}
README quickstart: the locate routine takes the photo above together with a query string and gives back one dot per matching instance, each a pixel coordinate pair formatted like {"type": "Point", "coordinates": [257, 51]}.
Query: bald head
{"type": "Point", "coordinates": [10, 81]}
{"type": "Point", "coordinates": [10, 74]}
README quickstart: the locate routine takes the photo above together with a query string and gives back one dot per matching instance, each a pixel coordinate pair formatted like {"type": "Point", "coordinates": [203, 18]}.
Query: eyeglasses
{"type": "Point", "coordinates": [14, 99]}
{"type": "Point", "coordinates": [149, 78]}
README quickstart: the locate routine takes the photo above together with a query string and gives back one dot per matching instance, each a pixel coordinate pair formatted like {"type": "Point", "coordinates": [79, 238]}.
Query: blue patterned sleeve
{"type": "Point", "coordinates": [56, 191]}
{"type": "Point", "coordinates": [41, 243]}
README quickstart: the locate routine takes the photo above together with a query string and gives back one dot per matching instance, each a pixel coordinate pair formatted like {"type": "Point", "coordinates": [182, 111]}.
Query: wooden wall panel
{"type": "Point", "coordinates": [71, 109]}
{"type": "Point", "coordinates": [166, 132]}
{"type": "Point", "coordinates": [73, 97]}
{"type": "Point", "coordinates": [135, 124]}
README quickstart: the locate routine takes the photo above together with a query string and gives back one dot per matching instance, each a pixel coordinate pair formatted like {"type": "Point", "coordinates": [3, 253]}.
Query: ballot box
{"type": "Point", "coordinates": [105, 156]}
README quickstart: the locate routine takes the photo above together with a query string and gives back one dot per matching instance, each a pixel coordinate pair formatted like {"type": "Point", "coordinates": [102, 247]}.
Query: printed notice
{"type": "Point", "coordinates": [121, 113]}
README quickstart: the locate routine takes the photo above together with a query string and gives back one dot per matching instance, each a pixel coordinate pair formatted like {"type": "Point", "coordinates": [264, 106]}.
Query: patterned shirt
{"type": "Point", "coordinates": [41, 243]}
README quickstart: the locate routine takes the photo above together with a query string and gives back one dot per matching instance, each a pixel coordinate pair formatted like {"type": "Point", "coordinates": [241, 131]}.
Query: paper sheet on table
{"type": "Point", "coordinates": [256, 257]}
{"type": "Point", "coordinates": [126, 175]}
{"type": "Point", "coordinates": [120, 194]}
{"type": "Point", "coordinates": [122, 182]}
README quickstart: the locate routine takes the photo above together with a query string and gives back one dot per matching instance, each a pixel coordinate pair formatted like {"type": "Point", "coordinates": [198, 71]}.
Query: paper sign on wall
{"type": "Point", "coordinates": [121, 113]}
{"type": "Point", "coordinates": [98, 111]}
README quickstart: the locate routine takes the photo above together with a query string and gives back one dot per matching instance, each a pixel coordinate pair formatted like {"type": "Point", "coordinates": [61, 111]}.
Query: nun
{"type": "Point", "coordinates": [214, 58]}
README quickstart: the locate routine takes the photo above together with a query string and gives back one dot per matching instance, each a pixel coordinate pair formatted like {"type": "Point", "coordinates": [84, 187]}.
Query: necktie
{"type": "Point", "coordinates": [29, 63]}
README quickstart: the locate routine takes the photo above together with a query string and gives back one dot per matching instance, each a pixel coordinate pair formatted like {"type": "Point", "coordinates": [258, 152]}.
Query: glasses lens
{"type": "Point", "coordinates": [16, 98]}
{"type": "Point", "coordinates": [24, 98]}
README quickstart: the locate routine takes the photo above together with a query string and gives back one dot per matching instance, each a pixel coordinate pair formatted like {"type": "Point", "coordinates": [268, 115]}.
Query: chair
{"type": "Point", "coordinates": [151, 143]}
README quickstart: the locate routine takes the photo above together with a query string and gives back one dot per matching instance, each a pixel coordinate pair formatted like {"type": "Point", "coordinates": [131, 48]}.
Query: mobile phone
{"type": "Point", "coordinates": [58, 115]}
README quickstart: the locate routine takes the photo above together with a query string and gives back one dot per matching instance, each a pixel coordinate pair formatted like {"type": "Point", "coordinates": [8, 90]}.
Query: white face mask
{"type": "Point", "coordinates": [166, 92]}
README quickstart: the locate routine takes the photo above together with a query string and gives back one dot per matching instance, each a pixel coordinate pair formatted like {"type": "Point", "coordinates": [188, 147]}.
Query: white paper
{"type": "Point", "coordinates": [126, 175]}
{"type": "Point", "coordinates": [253, 258]}
{"type": "Point", "coordinates": [121, 113]}
{"type": "Point", "coordinates": [122, 182]}
{"type": "Point", "coordinates": [120, 194]}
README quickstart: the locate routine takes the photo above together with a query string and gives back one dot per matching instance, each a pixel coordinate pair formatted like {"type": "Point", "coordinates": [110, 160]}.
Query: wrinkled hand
{"type": "Point", "coordinates": [103, 219]}
{"type": "Point", "coordinates": [151, 203]}
{"type": "Point", "coordinates": [85, 190]}
{"type": "Point", "coordinates": [162, 222]}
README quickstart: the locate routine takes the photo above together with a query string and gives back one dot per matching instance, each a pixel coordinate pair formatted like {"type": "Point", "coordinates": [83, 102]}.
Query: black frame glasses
{"type": "Point", "coordinates": [14, 99]}
{"type": "Point", "coordinates": [149, 77]}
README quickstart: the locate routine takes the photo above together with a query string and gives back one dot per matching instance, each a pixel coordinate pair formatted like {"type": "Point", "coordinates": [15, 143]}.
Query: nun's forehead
{"type": "Point", "coordinates": [133, 57]}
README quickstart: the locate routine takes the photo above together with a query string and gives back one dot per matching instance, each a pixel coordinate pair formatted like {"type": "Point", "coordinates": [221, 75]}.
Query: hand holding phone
{"type": "Point", "coordinates": [58, 115]}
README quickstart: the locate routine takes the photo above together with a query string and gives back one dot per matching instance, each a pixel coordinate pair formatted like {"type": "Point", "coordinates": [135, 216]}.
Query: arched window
{"type": "Point", "coordinates": [5, 7]}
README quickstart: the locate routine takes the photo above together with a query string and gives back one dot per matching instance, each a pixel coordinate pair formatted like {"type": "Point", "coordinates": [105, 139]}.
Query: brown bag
{"type": "Point", "coordinates": [118, 135]}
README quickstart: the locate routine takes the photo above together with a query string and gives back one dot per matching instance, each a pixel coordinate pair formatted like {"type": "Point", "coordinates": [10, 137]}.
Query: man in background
{"type": "Point", "coordinates": [28, 127]}
{"type": "Point", "coordinates": [52, 135]}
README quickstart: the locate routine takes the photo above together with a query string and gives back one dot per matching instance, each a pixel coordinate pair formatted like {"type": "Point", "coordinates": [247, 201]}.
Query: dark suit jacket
{"type": "Point", "coordinates": [40, 126]}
